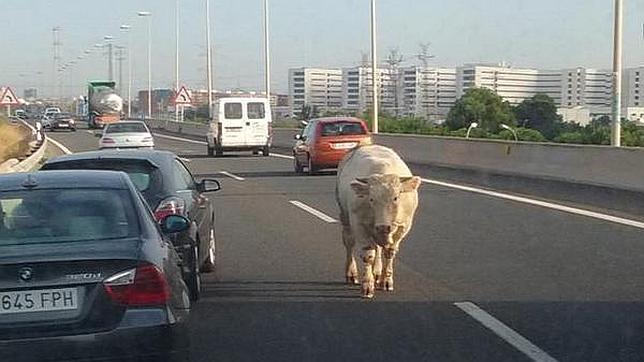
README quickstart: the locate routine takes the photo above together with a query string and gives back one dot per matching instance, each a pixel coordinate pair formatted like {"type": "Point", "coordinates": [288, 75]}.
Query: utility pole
{"type": "Point", "coordinates": [394, 59]}
{"type": "Point", "coordinates": [424, 56]}
{"type": "Point", "coordinates": [176, 60]}
{"type": "Point", "coordinates": [55, 75]}
{"type": "Point", "coordinates": [374, 67]}
{"type": "Point", "coordinates": [209, 60]}
{"type": "Point", "coordinates": [120, 58]}
{"type": "Point", "coordinates": [267, 56]}
{"type": "Point", "coordinates": [616, 128]}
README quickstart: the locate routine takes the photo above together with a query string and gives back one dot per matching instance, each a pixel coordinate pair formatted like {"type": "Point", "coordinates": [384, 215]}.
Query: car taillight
{"type": "Point", "coordinates": [170, 206]}
{"type": "Point", "coordinates": [107, 140]}
{"type": "Point", "coordinates": [145, 285]}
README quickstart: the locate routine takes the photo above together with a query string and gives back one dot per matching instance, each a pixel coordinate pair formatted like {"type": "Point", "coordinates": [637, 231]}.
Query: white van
{"type": "Point", "coordinates": [240, 124]}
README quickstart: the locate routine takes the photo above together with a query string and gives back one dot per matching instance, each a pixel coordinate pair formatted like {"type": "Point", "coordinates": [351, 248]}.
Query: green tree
{"type": "Point", "coordinates": [601, 121]}
{"type": "Point", "coordinates": [539, 113]}
{"type": "Point", "coordinates": [483, 106]}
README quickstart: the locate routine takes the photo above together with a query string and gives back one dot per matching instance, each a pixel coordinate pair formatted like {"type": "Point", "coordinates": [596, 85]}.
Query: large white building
{"type": "Point", "coordinates": [588, 88]}
{"type": "Point", "coordinates": [357, 91]}
{"type": "Point", "coordinates": [427, 92]}
{"type": "Point", "coordinates": [316, 87]}
{"type": "Point", "coordinates": [514, 85]}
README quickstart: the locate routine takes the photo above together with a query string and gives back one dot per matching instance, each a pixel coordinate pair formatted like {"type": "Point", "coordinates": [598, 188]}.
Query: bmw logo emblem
{"type": "Point", "coordinates": [25, 274]}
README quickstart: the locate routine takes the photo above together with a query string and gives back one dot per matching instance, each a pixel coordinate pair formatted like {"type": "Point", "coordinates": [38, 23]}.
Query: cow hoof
{"type": "Point", "coordinates": [367, 290]}
{"type": "Point", "coordinates": [351, 280]}
{"type": "Point", "coordinates": [389, 285]}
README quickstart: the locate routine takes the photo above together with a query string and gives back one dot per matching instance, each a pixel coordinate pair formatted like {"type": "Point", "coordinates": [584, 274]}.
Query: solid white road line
{"type": "Point", "coordinates": [549, 205]}
{"type": "Point", "coordinates": [231, 175]}
{"type": "Point", "coordinates": [179, 139]}
{"type": "Point", "coordinates": [59, 145]}
{"type": "Point", "coordinates": [500, 329]}
{"type": "Point", "coordinates": [314, 212]}
{"type": "Point", "coordinates": [278, 155]}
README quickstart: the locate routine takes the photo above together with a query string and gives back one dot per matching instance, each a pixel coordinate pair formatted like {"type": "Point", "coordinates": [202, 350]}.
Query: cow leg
{"type": "Point", "coordinates": [351, 269]}
{"type": "Point", "coordinates": [368, 282]}
{"type": "Point", "coordinates": [389, 254]}
{"type": "Point", "coordinates": [377, 268]}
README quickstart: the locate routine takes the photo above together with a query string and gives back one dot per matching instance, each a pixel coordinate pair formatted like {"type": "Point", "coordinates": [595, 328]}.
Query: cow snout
{"type": "Point", "coordinates": [383, 229]}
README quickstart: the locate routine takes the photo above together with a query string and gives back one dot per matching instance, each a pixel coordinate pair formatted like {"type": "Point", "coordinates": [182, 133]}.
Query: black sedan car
{"type": "Point", "coordinates": [170, 189]}
{"type": "Point", "coordinates": [86, 273]}
{"type": "Point", "coordinates": [56, 121]}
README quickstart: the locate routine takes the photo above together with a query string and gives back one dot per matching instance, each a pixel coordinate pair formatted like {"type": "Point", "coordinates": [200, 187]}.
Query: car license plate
{"type": "Point", "coordinates": [343, 145]}
{"type": "Point", "coordinates": [63, 125]}
{"type": "Point", "coordinates": [46, 300]}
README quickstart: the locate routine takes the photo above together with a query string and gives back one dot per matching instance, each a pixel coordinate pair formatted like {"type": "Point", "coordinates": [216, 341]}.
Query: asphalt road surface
{"type": "Point", "coordinates": [480, 277]}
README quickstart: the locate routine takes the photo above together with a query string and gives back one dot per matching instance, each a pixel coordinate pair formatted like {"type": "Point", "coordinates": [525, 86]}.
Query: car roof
{"type": "Point", "coordinates": [126, 121]}
{"type": "Point", "coordinates": [68, 179]}
{"type": "Point", "coordinates": [154, 157]}
{"type": "Point", "coordinates": [337, 119]}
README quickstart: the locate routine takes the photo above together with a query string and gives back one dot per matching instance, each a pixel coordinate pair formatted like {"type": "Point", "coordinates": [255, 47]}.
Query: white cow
{"type": "Point", "coordinates": [378, 197]}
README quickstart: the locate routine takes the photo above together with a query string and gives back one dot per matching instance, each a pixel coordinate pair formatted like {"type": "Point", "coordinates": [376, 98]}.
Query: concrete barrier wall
{"type": "Point", "coordinates": [597, 165]}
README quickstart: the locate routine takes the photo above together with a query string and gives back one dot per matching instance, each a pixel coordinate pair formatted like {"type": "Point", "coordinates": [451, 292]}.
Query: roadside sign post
{"type": "Point", "coordinates": [181, 99]}
{"type": "Point", "coordinates": [8, 99]}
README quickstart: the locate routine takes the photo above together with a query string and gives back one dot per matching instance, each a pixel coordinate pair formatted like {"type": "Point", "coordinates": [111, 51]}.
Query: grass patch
{"type": "Point", "coordinates": [14, 141]}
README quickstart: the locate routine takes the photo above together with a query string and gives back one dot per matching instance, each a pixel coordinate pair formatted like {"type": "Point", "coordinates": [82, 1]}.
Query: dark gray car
{"type": "Point", "coordinates": [169, 188]}
{"type": "Point", "coordinates": [86, 272]}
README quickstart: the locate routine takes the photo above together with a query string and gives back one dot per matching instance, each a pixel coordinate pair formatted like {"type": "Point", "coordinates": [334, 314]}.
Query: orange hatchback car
{"type": "Point", "coordinates": [325, 141]}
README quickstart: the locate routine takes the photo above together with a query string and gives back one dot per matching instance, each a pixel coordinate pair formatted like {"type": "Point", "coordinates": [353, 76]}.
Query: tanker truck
{"type": "Point", "coordinates": [103, 104]}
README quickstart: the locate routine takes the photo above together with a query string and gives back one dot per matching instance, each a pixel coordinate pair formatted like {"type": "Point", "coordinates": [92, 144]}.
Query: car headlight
{"type": "Point", "coordinates": [71, 121]}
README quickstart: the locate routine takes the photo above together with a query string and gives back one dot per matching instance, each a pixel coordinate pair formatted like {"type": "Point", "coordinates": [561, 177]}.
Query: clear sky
{"type": "Point", "coordinates": [545, 34]}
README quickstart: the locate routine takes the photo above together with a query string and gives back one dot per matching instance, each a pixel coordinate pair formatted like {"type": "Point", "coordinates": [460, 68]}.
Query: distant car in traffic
{"type": "Point", "coordinates": [125, 134]}
{"type": "Point", "coordinates": [56, 121]}
{"type": "Point", "coordinates": [324, 142]}
{"type": "Point", "coordinates": [169, 188]}
{"type": "Point", "coordinates": [51, 110]}
{"type": "Point", "coordinates": [86, 272]}
{"type": "Point", "coordinates": [240, 124]}
{"type": "Point", "coordinates": [20, 113]}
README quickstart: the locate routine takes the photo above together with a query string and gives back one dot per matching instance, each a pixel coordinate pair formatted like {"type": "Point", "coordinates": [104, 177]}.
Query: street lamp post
{"type": "Point", "coordinates": [126, 28]}
{"type": "Point", "coordinates": [209, 60]}
{"type": "Point", "coordinates": [110, 66]}
{"type": "Point", "coordinates": [176, 60]}
{"type": "Point", "coordinates": [514, 133]}
{"type": "Point", "coordinates": [149, 16]}
{"type": "Point", "coordinates": [374, 67]}
{"type": "Point", "coordinates": [470, 128]}
{"type": "Point", "coordinates": [616, 128]}
{"type": "Point", "coordinates": [267, 59]}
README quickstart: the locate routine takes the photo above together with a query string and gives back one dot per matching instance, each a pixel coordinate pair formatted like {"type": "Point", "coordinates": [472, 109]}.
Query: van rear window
{"type": "Point", "coordinates": [342, 129]}
{"type": "Point", "coordinates": [233, 110]}
{"type": "Point", "coordinates": [256, 110]}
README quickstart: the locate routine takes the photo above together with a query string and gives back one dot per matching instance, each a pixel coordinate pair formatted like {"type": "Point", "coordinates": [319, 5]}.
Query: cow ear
{"type": "Point", "coordinates": [360, 187]}
{"type": "Point", "coordinates": [409, 184]}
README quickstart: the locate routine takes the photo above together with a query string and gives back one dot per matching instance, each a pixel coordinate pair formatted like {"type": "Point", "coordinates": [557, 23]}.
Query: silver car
{"type": "Point", "coordinates": [126, 134]}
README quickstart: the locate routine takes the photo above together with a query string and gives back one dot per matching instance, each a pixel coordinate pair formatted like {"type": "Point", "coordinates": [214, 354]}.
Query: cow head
{"type": "Point", "coordinates": [383, 192]}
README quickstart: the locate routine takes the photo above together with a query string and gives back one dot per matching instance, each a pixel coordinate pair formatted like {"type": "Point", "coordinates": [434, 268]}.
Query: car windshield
{"type": "Point", "coordinates": [62, 115]}
{"type": "Point", "coordinates": [49, 216]}
{"type": "Point", "coordinates": [126, 128]}
{"type": "Point", "coordinates": [342, 129]}
{"type": "Point", "coordinates": [142, 173]}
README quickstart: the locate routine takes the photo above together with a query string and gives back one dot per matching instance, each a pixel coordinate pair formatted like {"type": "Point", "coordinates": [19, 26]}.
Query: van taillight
{"type": "Point", "coordinates": [144, 285]}
{"type": "Point", "coordinates": [170, 206]}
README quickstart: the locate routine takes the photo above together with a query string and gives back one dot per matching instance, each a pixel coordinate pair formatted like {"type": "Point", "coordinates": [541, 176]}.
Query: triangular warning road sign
{"type": "Point", "coordinates": [183, 97]}
{"type": "Point", "coordinates": [8, 98]}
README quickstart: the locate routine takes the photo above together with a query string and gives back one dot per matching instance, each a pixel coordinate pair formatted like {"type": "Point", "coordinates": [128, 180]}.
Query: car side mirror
{"type": "Point", "coordinates": [298, 136]}
{"type": "Point", "coordinates": [208, 185]}
{"type": "Point", "coordinates": [98, 134]}
{"type": "Point", "coordinates": [173, 224]}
